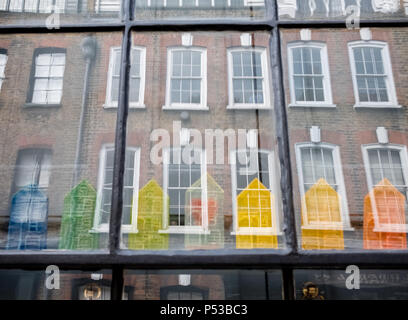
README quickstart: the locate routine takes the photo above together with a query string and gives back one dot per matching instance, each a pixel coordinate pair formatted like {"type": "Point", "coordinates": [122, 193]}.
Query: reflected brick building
{"type": "Point", "coordinates": [205, 142]}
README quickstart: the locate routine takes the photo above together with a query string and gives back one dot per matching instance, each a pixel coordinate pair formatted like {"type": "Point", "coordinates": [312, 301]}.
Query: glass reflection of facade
{"type": "Point", "coordinates": [265, 130]}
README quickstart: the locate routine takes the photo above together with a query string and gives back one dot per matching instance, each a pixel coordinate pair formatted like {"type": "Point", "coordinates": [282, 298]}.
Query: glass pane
{"type": "Point", "coordinates": [57, 187]}
{"type": "Point", "coordinates": [41, 285]}
{"type": "Point", "coordinates": [59, 12]}
{"type": "Point", "coordinates": [355, 285]}
{"type": "Point", "coordinates": [348, 160]}
{"type": "Point", "coordinates": [192, 193]}
{"type": "Point", "coordinates": [204, 284]}
{"type": "Point", "coordinates": [340, 9]}
{"type": "Point", "coordinates": [200, 9]}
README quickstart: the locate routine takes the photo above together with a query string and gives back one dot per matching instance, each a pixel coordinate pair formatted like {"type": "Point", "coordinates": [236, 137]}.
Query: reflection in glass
{"type": "Point", "coordinates": [187, 77]}
{"type": "Point", "coordinates": [256, 215]}
{"type": "Point", "coordinates": [333, 285]}
{"type": "Point", "coordinates": [203, 9]}
{"type": "Point", "coordinates": [149, 219]}
{"type": "Point", "coordinates": [137, 77]}
{"type": "Point", "coordinates": [73, 285]}
{"type": "Point", "coordinates": [323, 228]}
{"type": "Point", "coordinates": [77, 218]}
{"type": "Point", "coordinates": [28, 219]}
{"type": "Point", "coordinates": [247, 77]}
{"type": "Point", "coordinates": [204, 284]}
{"type": "Point", "coordinates": [362, 135]}
{"type": "Point", "coordinates": [384, 218]}
{"type": "Point", "coordinates": [53, 128]}
{"type": "Point", "coordinates": [58, 11]}
{"type": "Point", "coordinates": [187, 145]}
{"type": "Point", "coordinates": [330, 9]}
{"type": "Point", "coordinates": [182, 177]}
{"type": "Point", "coordinates": [48, 76]}
{"type": "Point", "coordinates": [323, 213]}
{"type": "Point", "coordinates": [196, 206]}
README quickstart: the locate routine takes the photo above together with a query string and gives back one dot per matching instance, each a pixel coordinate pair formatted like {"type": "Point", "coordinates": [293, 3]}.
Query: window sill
{"type": "Point", "coordinates": [104, 230]}
{"type": "Point", "coordinates": [328, 227]}
{"type": "Point", "coordinates": [131, 106]}
{"type": "Point", "coordinates": [377, 106]}
{"type": "Point", "coordinates": [30, 105]}
{"type": "Point", "coordinates": [317, 105]}
{"type": "Point", "coordinates": [393, 228]}
{"type": "Point", "coordinates": [184, 230]}
{"type": "Point", "coordinates": [248, 107]}
{"type": "Point", "coordinates": [257, 232]}
{"type": "Point", "coordinates": [186, 108]}
{"type": "Point", "coordinates": [98, 230]}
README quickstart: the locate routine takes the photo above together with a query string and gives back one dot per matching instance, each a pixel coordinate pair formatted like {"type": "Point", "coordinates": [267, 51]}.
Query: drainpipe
{"type": "Point", "coordinates": [88, 47]}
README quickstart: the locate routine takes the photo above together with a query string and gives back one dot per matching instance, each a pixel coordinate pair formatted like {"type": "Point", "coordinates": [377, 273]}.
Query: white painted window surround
{"type": "Point", "coordinates": [242, 175]}
{"type": "Point", "coordinates": [387, 161]}
{"type": "Point", "coordinates": [197, 3]}
{"type": "Point", "coordinates": [137, 78]}
{"type": "Point", "coordinates": [131, 188]}
{"type": "Point", "coordinates": [324, 162]}
{"type": "Point", "coordinates": [372, 75]}
{"type": "Point", "coordinates": [186, 82]}
{"type": "Point", "coordinates": [48, 78]}
{"type": "Point", "coordinates": [178, 178]}
{"type": "Point", "coordinates": [248, 78]}
{"type": "Point", "coordinates": [107, 6]}
{"type": "Point", "coordinates": [33, 167]}
{"type": "Point", "coordinates": [309, 75]}
{"type": "Point", "coordinates": [3, 62]}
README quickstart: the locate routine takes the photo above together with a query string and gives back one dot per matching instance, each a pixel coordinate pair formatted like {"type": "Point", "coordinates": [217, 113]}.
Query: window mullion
{"type": "Point", "coordinates": [120, 141]}
{"type": "Point", "coordinates": [282, 134]}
